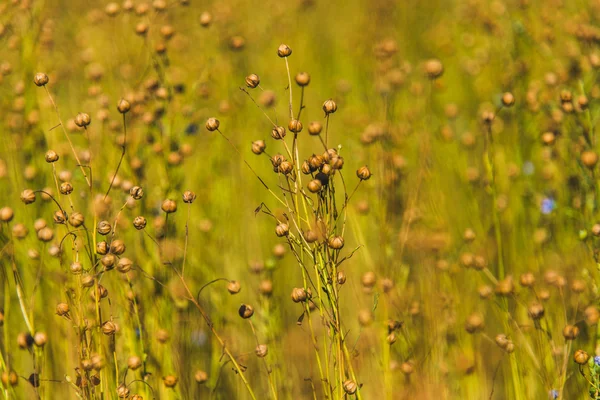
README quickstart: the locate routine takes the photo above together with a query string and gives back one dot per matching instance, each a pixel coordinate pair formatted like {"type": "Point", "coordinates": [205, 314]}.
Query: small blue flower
{"type": "Point", "coordinates": [528, 168]}
{"type": "Point", "coordinates": [554, 394]}
{"type": "Point", "coordinates": [548, 205]}
{"type": "Point", "coordinates": [597, 360]}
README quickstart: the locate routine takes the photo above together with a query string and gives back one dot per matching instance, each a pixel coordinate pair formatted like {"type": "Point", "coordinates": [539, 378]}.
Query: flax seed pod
{"type": "Point", "coordinates": [278, 132]}
{"type": "Point", "coordinates": [258, 147]}
{"type": "Point", "coordinates": [282, 230]}
{"type": "Point", "coordinates": [139, 222]}
{"type": "Point", "coordinates": [315, 128]}
{"type": "Point", "coordinates": [252, 81]}
{"type": "Point", "coordinates": [508, 100]}
{"type": "Point", "coordinates": [329, 107]}
{"type": "Point", "coordinates": [212, 124]}
{"type": "Point", "coordinates": [261, 351]}
{"type": "Point", "coordinates": [246, 311]}
{"type": "Point", "coordinates": [169, 206]}
{"type": "Point", "coordinates": [40, 79]}
{"type": "Point", "coordinates": [28, 196]}
{"type": "Point", "coordinates": [233, 287]}
{"type": "Point", "coordinates": [302, 79]}
{"type": "Point", "coordinates": [295, 126]}
{"type": "Point", "coordinates": [284, 51]}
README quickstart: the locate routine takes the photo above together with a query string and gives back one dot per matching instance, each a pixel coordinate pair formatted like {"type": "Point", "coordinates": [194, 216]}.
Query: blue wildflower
{"type": "Point", "coordinates": [554, 394]}
{"type": "Point", "coordinates": [548, 205]}
{"type": "Point", "coordinates": [597, 360]}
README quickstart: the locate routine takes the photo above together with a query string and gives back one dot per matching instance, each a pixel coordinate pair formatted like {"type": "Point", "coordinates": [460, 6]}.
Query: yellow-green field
{"type": "Point", "coordinates": [304, 199]}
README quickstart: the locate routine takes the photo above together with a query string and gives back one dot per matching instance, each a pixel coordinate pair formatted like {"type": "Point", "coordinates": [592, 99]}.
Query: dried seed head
{"type": "Point", "coordinates": [433, 68]}
{"type": "Point", "coordinates": [66, 188]}
{"type": "Point", "coordinates": [350, 387]}
{"type": "Point", "coordinates": [578, 286]}
{"type": "Point", "coordinates": [535, 311]}
{"type": "Point", "coordinates": [62, 309]}
{"type": "Point", "coordinates": [205, 19]}
{"type": "Point", "coordinates": [265, 287]}
{"type": "Point", "coordinates": [87, 281]}
{"type": "Point", "coordinates": [40, 339]}
{"type": "Point", "coordinates": [169, 206]}
{"type": "Point", "coordinates": [282, 229]}
{"type": "Point", "coordinates": [501, 340]}
{"type": "Point", "coordinates": [10, 378]}
{"type": "Point", "coordinates": [82, 120]}
{"type": "Point", "coordinates": [341, 277]}
{"type": "Point", "coordinates": [252, 81]}
{"type": "Point", "coordinates": [136, 192]}
{"type": "Point", "coordinates": [285, 167]}
{"type": "Point", "coordinates": [302, 79]}
{"type": "Point", "coordinates": [28, 196]}
{"type": "Point", "coordinates": [505, 287]}
{"type": "Point", "coordinates": [508, 100]}
{"type": "Point", "coordinates": [98, 361]}
{"type": "Point", "coordinates": [109, 328]}
{"type": "Point", "coordinates": [189, 197]}
{"type": "Point", "coordinates": [278, 132]}
{"type": "Point", "coordinates": [527, 279]}
{"type": "Point", "coordinates": [212, 124]}
{"type": "Point", "coordinates": [261, 350]}
{"type": "Point", "coordinates": [139, 222]}
{"type": "Point", "coordinates": [136, 397]}
{"type": "Point", "coordinates": [51, 156]}
{"type": "Point", "coordinates": [134, 362]}
{"type": "Point", "coordinates": [117, 247]}
{"type": "Point", "coordinates": [488, 117]}
{"type": "Point", "coordinates": [123, 106]}
{"type": "Point", "coordinates": [258, 147]}
{"type": "Point", "coordinates": [40, 79]}
{"type": "Point", "coordinates": [76, 268]}
{"type": "Point", "coordinates": [103, 228]}
{"type": "Point", "coordinates": [234, 287]}
{"type": "Point", "coordinates": [368, 279]}
{"type": "Point", "coordinates": [363, 173]}
{"type": "Point", "coordinates": [314, 186]}
{"type": "Point", "coordinates": [102, 248]}
{"type": "Point", "coordinates": [60, 217]}
{"type": "Point", "coordinates": [122, 391]}
{"type": "Point", "coordinates": [315, 128]}
{"type": "Point", "coordinates": [300, 295]}
{"type": "Point", "coordinates": [141, 28]}
{"type": "Point", "coordinates": [45, 234]}
{"type": "Point", "coordinates": [246, 311]}
{"type": "Point", "coordinates": [295, 126]}
{"type": "Point", "coordinates": [570, 332]}
{"type": "Point", "coordinates": [311, 236]}
{"type": "Point", "coordinates": [329, 107]}
{"type": "Point", "coordinates": [589, 158]}
{"type": "Point", "coordinates": [124, 265]}
{"type": "Point", "coordinates": [201, 376]}
{"type": "Point", "coordinates": [284, 51]}
{"type": "Point", "coordinates": [474, 323]}
{"type": "Point", "coordinates": [592, 315]}
{"type": "Point", "coordinates": [24, 340]}
{"type": "Point", "coordinates": [170, 381]}
{"type": "Point", "coordinates": [6, 214]}
{"type": "Point", "coordinates": [335, 242]}
{"type": "Point", "coordinates": [76, 219]}
{"type": "Point", "coordinates": [581, 357]}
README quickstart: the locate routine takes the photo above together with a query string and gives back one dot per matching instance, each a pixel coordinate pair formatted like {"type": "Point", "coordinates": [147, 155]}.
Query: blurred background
{"type": "Point", "coordinates": [479, 219]}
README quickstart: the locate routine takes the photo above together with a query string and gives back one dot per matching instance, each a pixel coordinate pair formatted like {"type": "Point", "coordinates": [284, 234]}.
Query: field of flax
{"type": "Point", "coordinates": [368, 199]}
